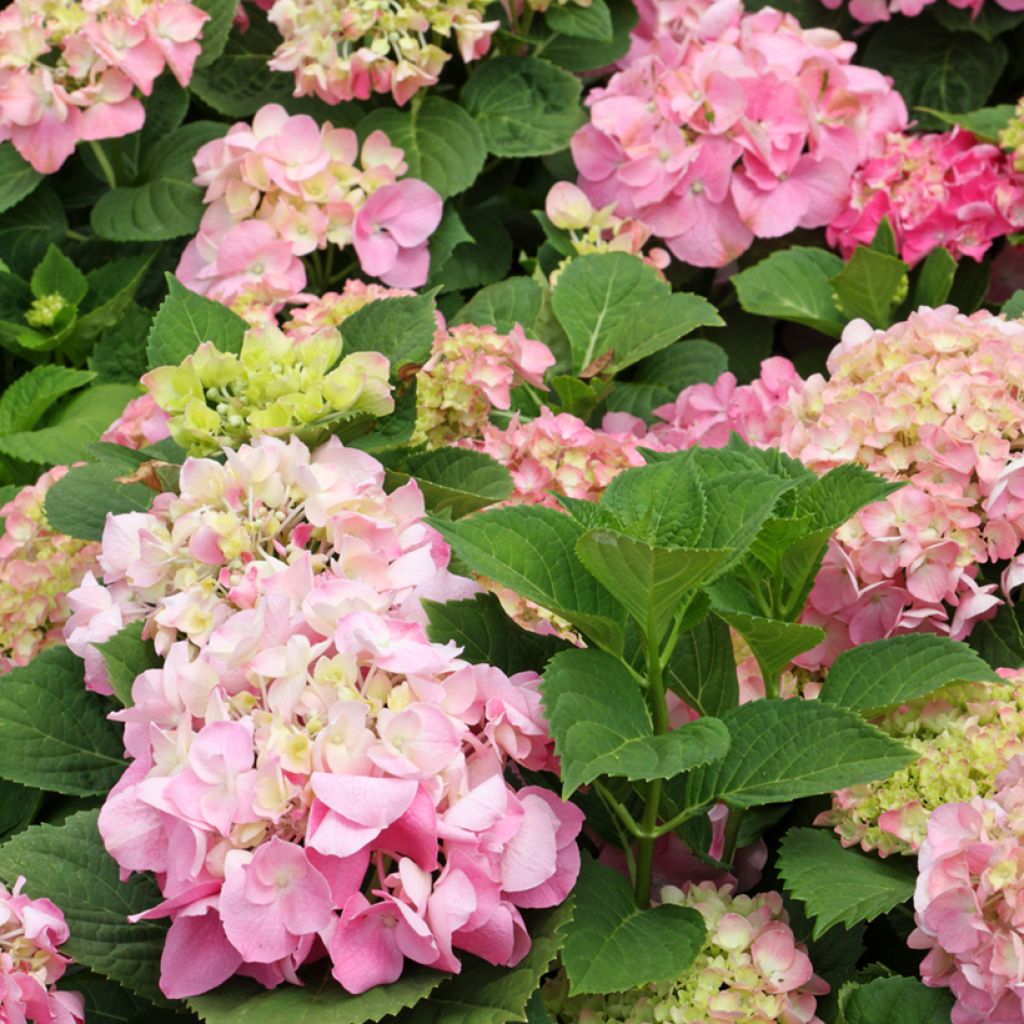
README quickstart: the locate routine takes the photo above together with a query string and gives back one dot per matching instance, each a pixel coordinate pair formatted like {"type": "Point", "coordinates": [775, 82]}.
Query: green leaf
{"type": "Point", "coordinates": [17, 177]}
{"type": "Point", "coordinates": [127, 656]}
{"type": "Point", "coordinates": [443, 144]}
{"type": "Point", "coordinates": [185, 320]}
{"type": "Point", "coordinates": [163, 203]}
{"type": "Point", "coordinates": [597, 294]}
{"type": "Point", "coordinates": [576, 54]}
{"type": "Point", "coordinates": [650, 581]}
{"type": "Point", "coordinates": [987, 22]}
{"type": "Point", "coordinates": [601, 725]}
{"type": "Point", "coordinates": [533, 551]}
{"type": "Point", "coordinates": [897, 1001]}
{"type": "Point", "coordinates": [29, 228]}
{"type": "Point", "coordinates": [783, 750]}
{"type": "Point", "coordinates": [56, 274]}
{"type": "Point", "coordinates": [18, 807]}
{"type": "Point", "coordinates": [456, 479]}
{"type": "Point", "coordinates": [970, 285]}
{"type": "Point", "coordinates": [110, 301]}
{"type": "Point", "coordinates": [831, 500]}
{"type": "Point", "coordinates": [774, 643]}
{"type": "Point", "coordinates": [69, 865]}
{"type": "Point", "coordinates": [885, 673]}
{"type": "Point", "coordinates": [27, 400]}
{"type": "Point", "coordinates": [488, 636]}
{"type": "Point", "coordinates": [1013, 307]}
{"type": "Point", "coordinates": [1000, 640]}
{"type": "Point", "coordinates": [840, 886]}
{"type": "Point", "coordinates": [612, 946]}
{"type": "Point", "coordinates": [702, 669]}
{"type": "Point", "coordinates": [934, 279]}
{"type": "Point", "coordinates": [871, 285]}
{"type": "Point", "coordinates": [323, 1001]}
{"type": "Point", "coordinates": [593, 22]}
{"type": "Point", "coordinates": [794, 284]}
{"type": "Point", "coordinates": [78, 503]}
{"type": "Point", "coordinates": [884, 240]}
{"type": "Point", "coordinates": [934, 68]}
{"type": "Point", "coordinates": [53, 734]}
{"type": "Point", "coordinates": [663, 503]}
{"type": "Point", "coordinates": [108, 1003]}
{"type": "Point", "coordinates": [985, 124]}
{"type": "Point", "coordinates": [524, 106]}
{"type": "Point", "coordinates": [503, 305]}
{"type": "Point", "coordinates": [402, 329]}
{"type": "Point", "coordinates": [484, 259]}
{"type": "Point", "coordinates": [216, 30]}
{"type": "Point", "coordinates": [120, 356]}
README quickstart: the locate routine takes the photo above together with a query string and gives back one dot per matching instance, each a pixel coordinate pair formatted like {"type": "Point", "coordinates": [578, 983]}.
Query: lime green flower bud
{"type": "Point", "coordinates": [45, 310]}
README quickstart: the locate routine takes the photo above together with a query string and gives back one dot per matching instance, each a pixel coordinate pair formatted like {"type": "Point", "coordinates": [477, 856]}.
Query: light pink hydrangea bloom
{"type": "Point", "coordinates": [968, 903]}
{"type": "Point", "coordinates": [143, 423]}
{"type": "Point", "coordinates": [869, 11]}
{"type": "Point", "coordinates": [749, 134]}
{"type": "Point", "coordinates": [284, 187]}
{"type": "Point", "coordinates": [69, 70]}
{"type": "Point", "coordinates": [30, 963]}
{"type": "Point", "coordinates": [332, 308]}
{"type": "Point", "coordinates": [939, 191]}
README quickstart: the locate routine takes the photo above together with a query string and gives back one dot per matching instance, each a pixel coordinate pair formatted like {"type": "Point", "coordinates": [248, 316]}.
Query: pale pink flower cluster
{"type": "Point", "coordinates": [309, 772]}
{"type": "Point", "coordinates": [933, 402]}
{"type": "Point", "coordinates": [37, 569]}
{"type": "Point", "coordinates": [342, 50]}
{"type": "Point", "coordinates": [472, 370]}
{"type": "Point", "coordinates": [331, 309]}
{"type": "Point", "coordinates": [143, 423]}
{"type": "Point", "coordinates": [69, 69]}
{"type": "Point", "coordinates": [969, 903]}
{"type": "Point", "coordinates": [939, 191]}
{"type": "Point", "coordinates": [30, 963]}
{"type": "Point", "coordinates": [868, 11]}
{"type": "Point", "coordinates": [680, 20]}
{"type": "Point", "coordinates": [284, 187]}
{"type": "Point", "coordinates": [749, 134]}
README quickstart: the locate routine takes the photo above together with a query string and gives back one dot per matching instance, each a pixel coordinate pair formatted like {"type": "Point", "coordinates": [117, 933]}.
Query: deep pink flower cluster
{"type": "Point", "coordinates": [38, 566]}
{"type": "Point", "coordinates": [933, 402]}
{"type": "Point", "coordinates": [868, 11]}
{"type": "Point", "coordinates": [143, 423]}
{"type": "Point", "coordinates": [751, 133]}
{"type": "Point", "coordinates": [30, 964]}
{"type": "Point", "coordinates": [305, 750]}
{"type": "Point", "coordinates": [941, 190]}
{"type": "Point", "coordinates": [284, 187]}
{"type": "Point", "coordinates": [969, 903]}
{"type": "Point", "coordinates": [69, 69]}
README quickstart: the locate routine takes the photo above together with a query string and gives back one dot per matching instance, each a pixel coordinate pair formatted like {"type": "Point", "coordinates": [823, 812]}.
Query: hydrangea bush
{"type": "Point", "coordinates": [511, 512]}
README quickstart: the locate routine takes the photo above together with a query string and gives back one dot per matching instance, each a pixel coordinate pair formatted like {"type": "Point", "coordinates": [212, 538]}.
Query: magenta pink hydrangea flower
{"type": "Point", "coordinates": [30, 963]}
{"type": "Point", "coordinates": [751, 133]}
{"type": "Point", "coordinates": [143, 423]}
{"type": "Point", "coordinates": [284, 187]}
{"type": "Point", "coordinates": [309, 772]}
{"type": "Point", "coordinates": [69, 70]}
{"type": "Point", "coordinates": [968, 903]}
{"type": "Point", "coordinates": [939, 191]}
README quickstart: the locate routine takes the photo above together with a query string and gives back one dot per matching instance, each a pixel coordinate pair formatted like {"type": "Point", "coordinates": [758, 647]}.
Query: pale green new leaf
{"type": "Point", "coordinates": [78, 503]}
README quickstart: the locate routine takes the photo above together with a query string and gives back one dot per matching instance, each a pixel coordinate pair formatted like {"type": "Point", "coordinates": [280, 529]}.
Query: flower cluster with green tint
{"type": "Point", "coordinates": [275, 385]}
{"type": "Point", "coordinates": [964, 736]}
{"type": "Point", "coordinates": [1011, 138]}
{"type": "Point", "coordinates": [751, 969]}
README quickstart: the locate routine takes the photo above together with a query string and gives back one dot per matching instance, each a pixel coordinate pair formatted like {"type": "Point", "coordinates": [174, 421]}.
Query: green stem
{"type": "Point", "coordinates": [732, 833]}
{"type": "Point", "coordinates": [617, 807]}
{"type": "Point", "coordinates": [105, 166]}
{"type": "Point", "coordinates": [76, 236]}
{"type": "Point", "coordinates": [673, 823]}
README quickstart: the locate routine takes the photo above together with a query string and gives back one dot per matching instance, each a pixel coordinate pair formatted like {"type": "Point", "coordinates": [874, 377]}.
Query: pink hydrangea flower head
{"type": "Point", "coordinates": [871, 11]}
{"type": "Point", "coordinates": [143, 423]}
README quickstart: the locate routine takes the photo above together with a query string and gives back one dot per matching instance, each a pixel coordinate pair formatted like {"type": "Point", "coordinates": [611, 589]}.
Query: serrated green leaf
{"type": "Point", "coordinates": [216, 30]}
{"type": "Point", "coordinates": [482, 260]}
{"type": "Point", "coordinates": [794, 284]}
{"type": "Point", "coordinates": [56, 274]}
{"type": "Point", "coordinates": [576, 54]}
{"type": "Point", "coordinates": [185, 320]}
{"type": "Point", "coordinates": [987, 22]}
{"type": "Point", "coordinates": [454, 479]}
{"type": "Point", "coordinates": [78, 503]}
{"type": "Point", "coordinates": [503, 305]}
{"type": "Point", "coordinates": [54, 735]}
{"type": "Point", "coordinates": [870, 286]}
{"type": "Point", "coordinates": [533, 551]}
{"type": "Point", "coordinates": [488, 636]}
{"type": "Point", "coordinates": [702, 669]}
{"type": "Point", "coordinates": [782, 750]}
{"type": "Point", "coordinates": [897, 1001]}
{"type": "Point", "coordinates": [601, 725]}
{"type": "Point", "coordinates": [934, 279]}
{"type": "Point", "coordinates": [612, 946]}
{"type": "Point", "coordinates": [69, 865]}
{"type": "Point", "coordinates": [402, 329]}
{"type": "Point", "coordinates": [30, 227]}
{"type": "Point", "coordinates": [593, 22]}
{"type": "Point", "coordinates": [885, 239]}
{"type": "Point", "coordinates": [831, 500]}
{"type": "Point", "coordinates": [442, 143]}
{"type": "Point", "coordinates": [18, 807]}
{"type": "Point", "coordinates": [106, 1002]}
{"type": "Point", "coordinates": [774, 643]}
{"type": "Point", "coordinates": [985, 124]}
{"type": "Point", "coordinates": [523, 106]}
{"type": "Point", "coordinates": [127, 656]}
{"type": "Point", "coordinates": [661, 504]}
{"type": "Point", "coordinates": [27, 400]}
{"type": "Point", "coordinates": [120, 356]}
{"type": "Point", "coordinates": [885, 673]}
{"type": "Point", "coordinates": [839, 886]}
{"type": "Point", "coordinates": [17, 177]}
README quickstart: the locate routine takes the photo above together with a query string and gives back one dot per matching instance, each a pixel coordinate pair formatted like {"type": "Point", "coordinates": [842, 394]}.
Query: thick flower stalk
{"type": "Point", "coordinates": [308, 770]}
{"type": "Point", "coordinates": [471, 371]}
{"type": "Point", "coordinates": [31, 930]}
{"type": "Point", "coordinates": [749, 134]}
{"type": "Point", "coordinates": [38, 567]}
{"type": "Point", "coordinates": [933, 403]}
{"type": "Point", "coordinates": [342, 50]}
{"type": "Point", "coordinates": [274, 386]}
{"type": "Point", "coordinates": [751, 969]}
{"type": "Point", "coordinates": [285, 187]}
{"type": "Point", "coordinates": [964, 738]}
{"type": "Point", "coordinates": [967, 902]}
{"type": "Point", "coordinates": [938, 191]}
{"type": "Point", "coordinates": [70, 70]}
